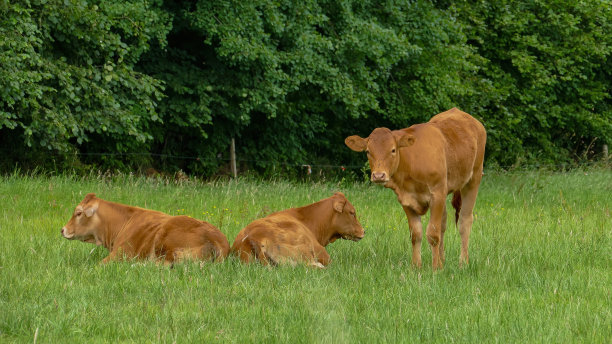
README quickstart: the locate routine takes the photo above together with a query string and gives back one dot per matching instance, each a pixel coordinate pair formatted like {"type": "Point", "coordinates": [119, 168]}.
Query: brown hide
{"type": "Point", "coordinates": [299, 234]}
{"type": "Point", "coordinates": [424, 163]}
{"type": "Point", "coordinates": [133, 232]}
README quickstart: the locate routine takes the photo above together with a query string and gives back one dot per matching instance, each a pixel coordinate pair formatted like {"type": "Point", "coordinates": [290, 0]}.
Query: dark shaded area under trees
{"type": "Point", "coordinates": [159, 83]}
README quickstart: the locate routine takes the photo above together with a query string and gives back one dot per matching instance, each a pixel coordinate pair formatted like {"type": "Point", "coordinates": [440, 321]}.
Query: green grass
{"type": "Point", "coordinates": [540, 268]}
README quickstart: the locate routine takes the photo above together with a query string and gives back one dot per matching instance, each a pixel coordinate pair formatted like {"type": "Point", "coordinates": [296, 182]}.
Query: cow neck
{"type": "Point", "coordinates": [317, 217]}
{"type": "Point", "coordinates": [401, 177]}
{"type": "Point", "coordinates": [395, 182]}
{"type": "Point", "coordinates": [116, 220]}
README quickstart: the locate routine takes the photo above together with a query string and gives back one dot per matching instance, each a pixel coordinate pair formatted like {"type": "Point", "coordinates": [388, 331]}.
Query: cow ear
{"type": "Point", "coordinates": [89, 197]}
{"type": "Point", "coordinates": [90, 210]}
{"type": "Point", "coordinates": [339, 205]}
{"type": "Point", "coordinates": [403, 139]}
{"type": "Point", "coordinates": [356, 143]}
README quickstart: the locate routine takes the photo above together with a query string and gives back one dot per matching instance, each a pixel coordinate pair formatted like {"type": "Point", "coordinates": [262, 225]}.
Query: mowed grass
{"type": "Point", "coordinates": [540, 268]}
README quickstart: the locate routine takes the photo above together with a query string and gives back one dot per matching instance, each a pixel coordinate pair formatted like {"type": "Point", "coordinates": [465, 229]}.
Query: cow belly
{"type": "Point", "coordinates": [181, 237]}
{"type": "Point", "coordinates": [458, 183]}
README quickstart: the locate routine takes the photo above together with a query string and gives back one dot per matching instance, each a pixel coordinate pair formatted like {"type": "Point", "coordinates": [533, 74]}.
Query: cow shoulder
{"type": "Point", "coordinates": [425, 160]}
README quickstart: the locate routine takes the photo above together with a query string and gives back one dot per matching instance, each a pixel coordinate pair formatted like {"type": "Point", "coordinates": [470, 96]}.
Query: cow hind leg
{"type": "Point", "coordinates": [245, 254]}
{"type": "Point", "coordinates": [182, 254]}
{"type": "Point", "coordinates": [456, 203]}
{"type": "Point", "coordinates": [260, 252]}
{"type": "Point", "coordinates": [247, 250]}
{"type": "Point", "coordinates": [210, 251]}
{"type": "Point", "coordinates": [466, 216]}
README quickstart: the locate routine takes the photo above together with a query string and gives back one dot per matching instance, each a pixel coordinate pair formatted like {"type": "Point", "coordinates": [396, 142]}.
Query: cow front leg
{"type": "Point", "coordinates": [416, 235]}
{"type": "Point", "coordinates": [111, 257]}
{"type": "Point", "coordinates": [321, 257]}
{"type": "Point", "coordinates": [434, 228]}
{"type": "Point", "coordinates": [114, 255]}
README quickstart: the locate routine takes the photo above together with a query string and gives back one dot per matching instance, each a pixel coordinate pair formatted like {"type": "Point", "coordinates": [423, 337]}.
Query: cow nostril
{"type": "Point", "coordinates": [378, 176]}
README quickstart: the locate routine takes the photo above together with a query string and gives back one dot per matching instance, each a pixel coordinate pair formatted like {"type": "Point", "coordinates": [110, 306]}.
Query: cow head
{"type": "Point", "coordinates": [344, 220]}
{"type": "Point", "coordinates": [382, 147]}
{"type": "Point", "coordinates": [84, 222]}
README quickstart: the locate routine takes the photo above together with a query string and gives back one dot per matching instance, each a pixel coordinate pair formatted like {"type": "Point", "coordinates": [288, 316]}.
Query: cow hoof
{"type": "Point", "coordinates": [318, 265]}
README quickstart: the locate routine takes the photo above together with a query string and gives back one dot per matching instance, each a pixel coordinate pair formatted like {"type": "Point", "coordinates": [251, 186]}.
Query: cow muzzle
{"type": "Point", "coordinates": [65, 234]}
{"type": "Point", "coordinates": [354, 237]}
{"type": "Point", "coordinates": [357, 237]}
{"type": "Point", "coordinates": [379, 177]}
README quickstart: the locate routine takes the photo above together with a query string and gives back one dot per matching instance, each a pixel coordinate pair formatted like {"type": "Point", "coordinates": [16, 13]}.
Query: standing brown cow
{"type": "Point", "coordinates": [146, 234]}
{"type": "Point", "coordinates": [423, 164]}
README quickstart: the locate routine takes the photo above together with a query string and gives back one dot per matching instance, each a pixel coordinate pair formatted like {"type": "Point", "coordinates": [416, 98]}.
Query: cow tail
{"type": "Point", "coordinates": [261, 254]}
{"type": "Point", "coordinates": [456, 202]}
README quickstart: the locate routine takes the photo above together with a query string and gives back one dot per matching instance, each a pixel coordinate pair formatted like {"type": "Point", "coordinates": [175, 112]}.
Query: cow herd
{"type": "Point", "coordinates": [422, 164]}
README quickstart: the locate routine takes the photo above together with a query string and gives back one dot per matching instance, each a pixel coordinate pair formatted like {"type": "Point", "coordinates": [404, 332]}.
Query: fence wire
{"type": "Point", "coordinates": [312, 166]}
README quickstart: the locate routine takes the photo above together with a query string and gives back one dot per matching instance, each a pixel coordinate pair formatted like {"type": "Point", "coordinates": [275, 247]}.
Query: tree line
{"type": "Point", "coordinates": [289, 80]}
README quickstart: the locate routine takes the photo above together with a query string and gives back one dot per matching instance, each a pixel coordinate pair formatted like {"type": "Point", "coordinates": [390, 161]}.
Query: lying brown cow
{"type": "Point", "coordinates": [299, 234]}
{"type": "Point", "coordinates": [425, 163]}
{"type": "Point", "coordinates": [133, 232]}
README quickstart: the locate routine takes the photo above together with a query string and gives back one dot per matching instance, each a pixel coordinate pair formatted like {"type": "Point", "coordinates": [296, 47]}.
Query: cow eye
{"type": "Point", "coordinates": [393, 151]}
{"type": "Point", "coordinates": [79, 213]}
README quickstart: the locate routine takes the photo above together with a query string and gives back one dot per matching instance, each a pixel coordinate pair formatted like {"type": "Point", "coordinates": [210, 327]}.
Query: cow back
{"type": "Point", "coordinates": [464, 144]}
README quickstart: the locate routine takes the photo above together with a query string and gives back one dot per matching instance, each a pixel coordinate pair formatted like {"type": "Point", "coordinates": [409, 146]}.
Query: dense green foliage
{"type": "Point", "coordinates": [290, 79]}
{"type": "Point", "coordinates": [539, 268]}
{"type": "Point", "coordinates": [545, 77]}
{"type": "Point", "coordinates": [67, 80]}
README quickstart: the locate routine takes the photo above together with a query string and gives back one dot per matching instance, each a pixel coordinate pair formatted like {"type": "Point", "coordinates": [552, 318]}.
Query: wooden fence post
{"type": "Point", "coordinates": [605, 153]}
{"type": "Point", "coordinates": [233, 158]}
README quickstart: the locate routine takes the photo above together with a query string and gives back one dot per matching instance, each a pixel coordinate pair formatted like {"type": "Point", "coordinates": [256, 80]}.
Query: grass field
{"type": "Point", "coordinates": [540, 268]}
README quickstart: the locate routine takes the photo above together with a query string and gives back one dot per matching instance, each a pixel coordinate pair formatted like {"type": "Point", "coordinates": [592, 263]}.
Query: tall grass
{"type": "Point", "coordinates": [540, 268]}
